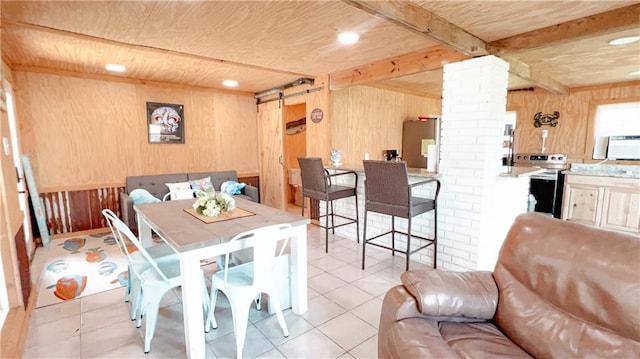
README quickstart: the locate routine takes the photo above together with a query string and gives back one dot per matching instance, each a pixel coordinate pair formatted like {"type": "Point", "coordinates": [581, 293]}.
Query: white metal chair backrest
{"type": "Point", "coordinates": [121, 231]}
{"type": "Point", "coordinates": [266, 252]}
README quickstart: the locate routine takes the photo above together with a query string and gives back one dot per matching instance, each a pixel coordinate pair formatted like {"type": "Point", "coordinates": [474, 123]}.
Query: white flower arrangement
{"type": "Point", "coordinates": [212, 204]}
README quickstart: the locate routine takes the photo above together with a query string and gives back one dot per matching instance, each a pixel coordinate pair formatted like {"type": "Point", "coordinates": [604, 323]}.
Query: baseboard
{"type": "Point", "coordinates": [81, 233]}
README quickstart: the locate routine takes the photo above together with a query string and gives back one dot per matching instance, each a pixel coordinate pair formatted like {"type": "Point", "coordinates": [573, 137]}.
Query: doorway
{"type": "Point", "coordinates": [295, 145]}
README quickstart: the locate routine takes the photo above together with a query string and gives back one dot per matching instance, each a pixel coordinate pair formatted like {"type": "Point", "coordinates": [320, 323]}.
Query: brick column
{"type": "Point", "coordinates": [473, 107]}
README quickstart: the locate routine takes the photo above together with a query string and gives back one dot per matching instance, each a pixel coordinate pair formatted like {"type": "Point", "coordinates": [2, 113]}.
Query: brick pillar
{"type": "Point", "coordinates": [473, 107]}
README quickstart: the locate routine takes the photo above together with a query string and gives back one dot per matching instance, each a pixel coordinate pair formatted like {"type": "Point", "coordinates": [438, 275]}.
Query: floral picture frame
{"type": "Point", "coordinates": [165, 122]}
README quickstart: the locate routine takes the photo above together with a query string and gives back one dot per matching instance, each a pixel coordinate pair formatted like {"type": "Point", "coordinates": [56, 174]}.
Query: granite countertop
{"type": "Point", "coordinates": [620, 171]}
{"type": "Point", "coordinates": [514, 172]}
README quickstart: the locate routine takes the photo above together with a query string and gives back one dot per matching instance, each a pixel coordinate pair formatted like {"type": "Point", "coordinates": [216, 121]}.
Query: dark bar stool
{"type": "Point", "coordinates": [316, 184]}
{"type": "Point", "coordinates": [387, 191]}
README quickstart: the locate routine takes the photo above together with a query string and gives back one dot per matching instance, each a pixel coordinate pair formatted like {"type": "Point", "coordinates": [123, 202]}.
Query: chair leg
{"type": "Point", "coordinates": [211, 318]}
{"type": "Point", "coordinates": [275, 297]}
{"type": "Point", "coordinates": [127, 293]}
{"type": "Point", "coordinates": [326, 227]}
{"type": "Point", "coordinates": [435, 237]}
{"type": "Point", "coordinates": [333, 219]}
{"type": "Point", "coordinates": [303, 206]}
{"type": "Point", "coordinates": [136, 297]}
{"type": "Point", "coordinates": [408, 242]}
{"type": "Point", "coordinates": [151, 306]}
{"type": "Point", "coordinates": [364, 237]}
{"type": "Point", "coordinates": [240, 314]}
{"type": "Point", "coordinates": [393, 235]}
{"type": "Point", "coordinates": [357, 220]}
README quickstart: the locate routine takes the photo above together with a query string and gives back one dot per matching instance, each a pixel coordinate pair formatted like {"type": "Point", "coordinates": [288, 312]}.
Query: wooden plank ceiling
{"type": "Point", "coordinates": [556, 45]}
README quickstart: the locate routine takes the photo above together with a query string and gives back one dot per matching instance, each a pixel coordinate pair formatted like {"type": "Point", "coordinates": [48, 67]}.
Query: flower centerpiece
{"type": "Point", "coordinates": [213, 204]}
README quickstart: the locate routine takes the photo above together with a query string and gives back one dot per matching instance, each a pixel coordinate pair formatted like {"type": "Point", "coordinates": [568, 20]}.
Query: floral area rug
{"type": "Point", "coordinates": [79, 266]}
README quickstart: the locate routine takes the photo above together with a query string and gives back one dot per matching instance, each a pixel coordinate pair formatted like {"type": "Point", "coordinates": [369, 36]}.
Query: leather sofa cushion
{"type": "Point", "coordinates": [479, 340]}
{"type": "Point", "coordinates": [415, 338]}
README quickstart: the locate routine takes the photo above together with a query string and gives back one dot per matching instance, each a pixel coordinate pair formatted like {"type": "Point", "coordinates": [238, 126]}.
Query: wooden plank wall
{"type": "Point", "coordinates": [367, 119]}
{"type": "Point", "coordinates": [573, 134]}
{"type": "Point", "coordinates": [83, 133]}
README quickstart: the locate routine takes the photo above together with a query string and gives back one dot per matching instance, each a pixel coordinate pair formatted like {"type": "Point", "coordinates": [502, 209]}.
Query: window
{"type": "Point", "coordinates": [614, 120]}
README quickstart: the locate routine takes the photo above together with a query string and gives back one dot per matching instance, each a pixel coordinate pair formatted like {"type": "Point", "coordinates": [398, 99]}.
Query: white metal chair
{"type": "Point", "coordinates": [161, 253]}
{"type": "Point", "coordinates": [242, 283]}
{"type": "Point", "coordinates": [150, 279]}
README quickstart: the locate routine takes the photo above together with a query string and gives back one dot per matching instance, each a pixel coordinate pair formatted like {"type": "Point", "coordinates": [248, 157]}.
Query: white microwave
{"type": "Point", "coordinates": [624, 148]}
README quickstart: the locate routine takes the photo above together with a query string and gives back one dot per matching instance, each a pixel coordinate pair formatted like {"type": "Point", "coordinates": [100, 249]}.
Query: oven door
{"type": "Point", "coordinates": [547, 189]}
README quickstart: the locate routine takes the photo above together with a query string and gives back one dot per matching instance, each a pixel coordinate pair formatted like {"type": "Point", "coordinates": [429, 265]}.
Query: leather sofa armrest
{"type": "Point", "coordinates": [453, 296]}
{"type": "Point", "coordinates": [252, 192]}
{"type": "Point", "coordinates": [403, 332]}
{"type": "Point", "coordinates": [127, 212]}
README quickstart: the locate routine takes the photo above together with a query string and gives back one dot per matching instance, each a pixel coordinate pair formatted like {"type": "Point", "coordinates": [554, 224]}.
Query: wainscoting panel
{"type": "Point", "coordinates": [72, 211]}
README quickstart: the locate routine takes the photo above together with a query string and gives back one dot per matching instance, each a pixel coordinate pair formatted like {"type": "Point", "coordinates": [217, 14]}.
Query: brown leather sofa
{"type": "Point", "coordinates": [559, 290]}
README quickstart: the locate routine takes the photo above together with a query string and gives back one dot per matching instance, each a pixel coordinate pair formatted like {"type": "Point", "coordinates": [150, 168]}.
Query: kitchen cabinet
{"type": "Point", "coordinates": [608, 202]}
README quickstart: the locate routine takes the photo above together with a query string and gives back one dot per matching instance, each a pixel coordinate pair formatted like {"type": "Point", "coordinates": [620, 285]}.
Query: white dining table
{"type": "Point", "coordinates": [194, 240]}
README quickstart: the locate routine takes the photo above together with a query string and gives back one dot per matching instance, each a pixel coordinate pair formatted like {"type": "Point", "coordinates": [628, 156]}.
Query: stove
{"type": "Point", "coordinates": [546, 187]}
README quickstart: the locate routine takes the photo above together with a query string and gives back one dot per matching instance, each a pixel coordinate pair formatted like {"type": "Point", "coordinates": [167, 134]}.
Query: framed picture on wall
{"type": "Point", "coordinates": [165, 122]}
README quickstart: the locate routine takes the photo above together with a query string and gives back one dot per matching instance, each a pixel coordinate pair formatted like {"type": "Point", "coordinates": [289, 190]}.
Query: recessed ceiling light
{"type": "Point", "coordinates": [115, 68]}
{"type": "Point", "coordinates": [230, 83]}
{"type": "Point", "coordinates": [624, 40]}
{"type": "Point", "coordinates": [635, 73]}
{"type": "Point", "coordinates": [348, 38]}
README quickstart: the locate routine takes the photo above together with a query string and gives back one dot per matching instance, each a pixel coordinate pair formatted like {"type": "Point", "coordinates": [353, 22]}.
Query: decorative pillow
{"type": "Point", "coordinates": [141, 196]}
{"type": "Point", "coordinates": [182, 194]}
{"type": "Point", "coordinates": [178, 186]}
{"type": "Point", "coordinates": [232, 187]}
{"type": "Point", "coordinates": [203, 184]}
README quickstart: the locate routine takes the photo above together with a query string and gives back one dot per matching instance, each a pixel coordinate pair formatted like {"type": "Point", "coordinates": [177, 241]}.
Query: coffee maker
{"type": "Point", "coordinates": [390, 155]}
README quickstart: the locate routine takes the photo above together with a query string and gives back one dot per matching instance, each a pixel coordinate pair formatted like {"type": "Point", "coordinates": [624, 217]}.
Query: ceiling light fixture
{"type": "Point", "coordinates": [230, 83]}
{"type": "Point", "coordinates": [115, 68]}
{"type": "Point", "coordinates": [624, 40]}
{"type": "Point", "coordinates": [348, 38]}
{"type": "Point", "coordinates": [635, 73]}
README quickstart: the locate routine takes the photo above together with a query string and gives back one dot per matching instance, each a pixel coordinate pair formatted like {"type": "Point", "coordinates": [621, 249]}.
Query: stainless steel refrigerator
{"type": "Point", "coordinates": [413, 132]}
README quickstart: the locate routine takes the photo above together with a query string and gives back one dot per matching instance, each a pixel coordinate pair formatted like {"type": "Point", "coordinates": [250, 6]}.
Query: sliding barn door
{"type": "Point", "coordinates": [270, 137]}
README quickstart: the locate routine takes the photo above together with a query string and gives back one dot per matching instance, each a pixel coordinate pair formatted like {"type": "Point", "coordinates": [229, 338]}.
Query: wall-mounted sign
{"type": "Point", "coordinates": [316, 115]}
{"type": "Point", "coordinates": [546, 119]}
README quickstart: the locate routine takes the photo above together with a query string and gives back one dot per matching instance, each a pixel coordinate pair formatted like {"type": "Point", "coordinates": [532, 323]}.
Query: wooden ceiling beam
{"type": "Point", "coordinates": [418, 20]}
{"type": "Point", "coordinates": [524, 71]}
{"type": "Point", "coordinates": [595, 25]}
{"type": "Point", "coordinates": [407, 64]}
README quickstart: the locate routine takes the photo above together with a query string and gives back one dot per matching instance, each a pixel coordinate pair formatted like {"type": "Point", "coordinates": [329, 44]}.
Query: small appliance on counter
{"type": "Point", "coordinates": [390, 155]}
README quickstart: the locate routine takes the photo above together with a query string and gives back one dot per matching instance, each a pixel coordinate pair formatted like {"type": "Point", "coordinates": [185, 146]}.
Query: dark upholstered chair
{"type": "Point", "coordinates": [388, 191]}
{"type": "Point", "coordinates": [316, 184]}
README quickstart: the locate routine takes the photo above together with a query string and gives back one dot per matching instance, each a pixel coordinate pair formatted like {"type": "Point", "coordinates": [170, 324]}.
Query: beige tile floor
{"type": "Point", "coordinates": [342, 320]}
